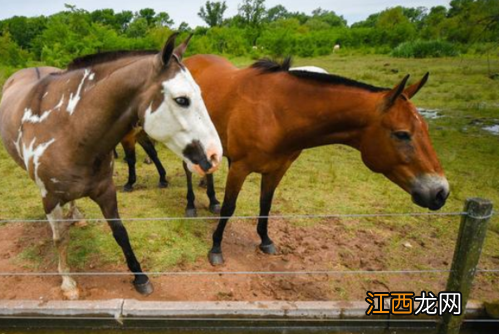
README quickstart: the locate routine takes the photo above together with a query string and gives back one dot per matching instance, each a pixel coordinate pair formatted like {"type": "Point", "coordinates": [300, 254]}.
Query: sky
{"type": "Point", "coordinates": [186, 10]}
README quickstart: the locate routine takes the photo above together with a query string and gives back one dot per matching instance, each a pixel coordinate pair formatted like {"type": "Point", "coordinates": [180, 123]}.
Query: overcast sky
{"type": "Point", "coordinates": [186, 10]}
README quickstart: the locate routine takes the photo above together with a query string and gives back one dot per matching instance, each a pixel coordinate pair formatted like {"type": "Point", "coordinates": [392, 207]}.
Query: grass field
{"type": "Point", "coordinates": [323, 180]}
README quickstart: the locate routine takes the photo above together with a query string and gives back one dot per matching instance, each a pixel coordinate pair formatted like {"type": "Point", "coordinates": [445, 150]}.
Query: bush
{"type": "Point", "coordinates": [10, 53]}
{"type": "Point", "coordinates": [425, 49]}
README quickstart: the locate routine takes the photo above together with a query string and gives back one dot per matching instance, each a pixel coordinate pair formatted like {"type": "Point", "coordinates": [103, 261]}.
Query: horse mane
{"type": "Point", "coordinates": [104, 57]}
{"type": "Point", "coordinates": [268, 65]}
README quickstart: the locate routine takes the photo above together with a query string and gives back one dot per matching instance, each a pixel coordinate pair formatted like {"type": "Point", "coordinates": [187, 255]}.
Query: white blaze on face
{"type": "Point", "coordinates": [35, 153]}
{"type": "Point", "coordinates": [74, 99]}
{"type": "Point", "coordinates": [177, 126]}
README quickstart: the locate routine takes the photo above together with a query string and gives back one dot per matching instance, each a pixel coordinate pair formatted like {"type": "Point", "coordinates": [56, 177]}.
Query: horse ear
{"type": "Point", "coordinates": [392, 95]}
{"type": "Point", "coordinates": [166, 53]}
{"type": "Point", "coordinates": [179, 51]}
{"type": "Point", "coordinates": [413, 89]}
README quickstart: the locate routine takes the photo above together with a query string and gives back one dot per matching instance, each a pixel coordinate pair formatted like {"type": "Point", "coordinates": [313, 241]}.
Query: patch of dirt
{"type": "Point", "coordinates": [330, 245]}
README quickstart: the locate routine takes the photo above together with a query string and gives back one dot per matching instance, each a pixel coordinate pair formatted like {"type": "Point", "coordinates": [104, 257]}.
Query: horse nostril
{"type": "Point", "coordinates": [440, 195]}
{"type": "Point", "coordinates": [214, 158]}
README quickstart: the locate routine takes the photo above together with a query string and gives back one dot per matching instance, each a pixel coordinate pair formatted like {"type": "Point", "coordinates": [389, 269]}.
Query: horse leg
{"type": "Point", "coordinates": [210, 192]}
{"type": "Point", "coordinates": [74, 212]}
{"type": "Point", "coordinates": [109, 206]}
{"type": "Point", "coordinates": [60, 234]}
{"type": "Point", "coordinates": [203, 183]}
{"type": "Point", "coordinates": [235, 180]}
{"type": "Point", "coordinates": [128, 144]}
{"type": "Point", "coordinates": [190, 210]}
{"type": "Point", "coordinates": [148, 146]}
{"type": "Point", "coordinates": [268, 185]}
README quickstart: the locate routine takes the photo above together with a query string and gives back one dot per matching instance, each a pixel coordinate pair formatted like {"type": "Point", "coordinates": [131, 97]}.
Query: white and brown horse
{"type": "Point", "coordinates": [61, 127]}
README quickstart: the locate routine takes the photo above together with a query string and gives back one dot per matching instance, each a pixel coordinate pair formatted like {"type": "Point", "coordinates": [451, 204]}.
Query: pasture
{"type": "Point", "coordinates": [325, 180]}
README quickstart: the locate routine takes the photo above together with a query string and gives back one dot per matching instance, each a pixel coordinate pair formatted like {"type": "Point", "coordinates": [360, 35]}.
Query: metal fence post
{"type": "Point", "coordinates": [466, 256]}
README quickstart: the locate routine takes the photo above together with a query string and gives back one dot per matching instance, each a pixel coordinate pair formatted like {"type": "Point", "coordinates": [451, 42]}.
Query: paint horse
{"type": "Point", "coordinates": [131, 139]}
{"type": "Point", "coordinates": [266, 115]}
{"type": "Point", "coordinates": [62, 126]}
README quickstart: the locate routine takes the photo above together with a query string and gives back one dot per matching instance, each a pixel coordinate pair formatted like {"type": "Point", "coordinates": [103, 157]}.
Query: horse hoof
{"type": "Point", "coordinates": [216, 259]}
{"type": "Point", "coordinates": [72, 294]}
{"type": "Point", "coordinates": [128, 188]}
{"type": "Point", "coordinates": [268, 249]}
{"type": "Point", "coordinates": [144, 288]}
{"type": "Point", "coordinates": [215, 208]}
{"type": "Point", "coordinates": [191, 213]}
{"type": "Point", "coordinates": [163, 184]}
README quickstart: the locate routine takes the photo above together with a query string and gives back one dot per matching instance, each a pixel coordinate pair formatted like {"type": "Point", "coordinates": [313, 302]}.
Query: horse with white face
{"type": "Point", "coordinates": [61, 127]}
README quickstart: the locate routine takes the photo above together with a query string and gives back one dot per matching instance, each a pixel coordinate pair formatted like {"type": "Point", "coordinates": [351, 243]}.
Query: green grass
{"type": "Point", "coordinates": [329, 179]}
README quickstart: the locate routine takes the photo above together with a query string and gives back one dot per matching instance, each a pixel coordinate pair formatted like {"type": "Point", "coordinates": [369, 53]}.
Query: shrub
{"type": "Point", "coordinates": [425, 49]}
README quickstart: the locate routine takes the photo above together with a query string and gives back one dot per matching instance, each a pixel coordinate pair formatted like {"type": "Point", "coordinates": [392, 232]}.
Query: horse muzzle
{"type": "Point", "coordinates": [430, 191]}
{"type": "Point", "coordinates": [201, 161]}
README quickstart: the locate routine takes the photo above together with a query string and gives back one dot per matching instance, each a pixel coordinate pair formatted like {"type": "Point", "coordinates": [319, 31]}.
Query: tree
{"type": "Point", "coordinates": [329, 17]}
{"type": "Point", "coordinates": [148, 14]}
{"type": "Point", "coordinates": [213, 13]}
{"type": "Point", "coordinates": [252, 11]}
{"type": "Point", "coordinates": [124, 19]}
{"type": "Point", "coordinates": [163, 19]}
{"type": "Point", "coordinates": [277, 13]}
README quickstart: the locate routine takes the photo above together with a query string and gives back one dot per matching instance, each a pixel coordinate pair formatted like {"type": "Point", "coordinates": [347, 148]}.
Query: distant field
{"type": "Point", "coordinates": [323, 180]}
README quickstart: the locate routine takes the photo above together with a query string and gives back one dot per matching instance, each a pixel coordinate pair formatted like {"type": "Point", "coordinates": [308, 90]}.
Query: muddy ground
{"type": "Point", "coordinates": [325, 246]}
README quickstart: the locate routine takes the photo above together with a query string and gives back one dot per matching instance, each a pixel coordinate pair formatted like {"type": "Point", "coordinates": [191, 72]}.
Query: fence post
{"type": "Point", "coordinates": [466, 256]}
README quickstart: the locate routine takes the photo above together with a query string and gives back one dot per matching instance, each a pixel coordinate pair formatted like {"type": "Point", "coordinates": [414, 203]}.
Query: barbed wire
{"type": "Point", "coordinates": [298, 216]}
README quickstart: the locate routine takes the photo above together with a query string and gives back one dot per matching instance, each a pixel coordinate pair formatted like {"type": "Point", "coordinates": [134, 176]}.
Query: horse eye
{"type": "Point", "coordinates": [182, 101]}
{"type": "Point", "coordinates": [402, 135]}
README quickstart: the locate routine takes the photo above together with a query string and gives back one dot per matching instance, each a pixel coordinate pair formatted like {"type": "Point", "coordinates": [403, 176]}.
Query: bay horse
{"type": "Point", "coordinates": [266, 115]}
{"type": "Point", "coordinates": [128, 143]}
{"type": "Point", "coordinates": [61, 127]}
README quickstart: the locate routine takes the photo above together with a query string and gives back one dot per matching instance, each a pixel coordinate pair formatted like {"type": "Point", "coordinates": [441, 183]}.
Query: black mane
{"type": "Point", "coordinates": [271, 66]}
{"type": "Point", "coordinates": [104, 57]}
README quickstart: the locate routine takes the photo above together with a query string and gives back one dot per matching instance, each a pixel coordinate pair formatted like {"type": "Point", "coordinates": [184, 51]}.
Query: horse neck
{"type": "Point", "coordinates": [321, 114]}
{"type": "Point", "coordinates": [114, 110]}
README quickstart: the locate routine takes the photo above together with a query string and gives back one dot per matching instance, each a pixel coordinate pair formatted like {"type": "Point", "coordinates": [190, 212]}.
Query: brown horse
{"type": "Point", "coordinates": [61, 127]}
{"type": "Point", "coordinates": [266, 115]}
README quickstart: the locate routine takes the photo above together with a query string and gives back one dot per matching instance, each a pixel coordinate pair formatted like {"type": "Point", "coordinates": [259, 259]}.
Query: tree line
{"type": "Point", "coordinates": [466, 26]}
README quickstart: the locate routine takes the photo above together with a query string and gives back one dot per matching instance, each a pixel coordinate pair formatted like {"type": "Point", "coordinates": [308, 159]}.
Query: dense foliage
{"type": "Point", "coordinates": [255, 31]}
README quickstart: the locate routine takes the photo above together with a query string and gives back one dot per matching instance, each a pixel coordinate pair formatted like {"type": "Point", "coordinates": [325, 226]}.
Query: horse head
{"type": "Point", "coordinates": [174, 112]}
{"type": "Point", "coordinates": [397, 144]}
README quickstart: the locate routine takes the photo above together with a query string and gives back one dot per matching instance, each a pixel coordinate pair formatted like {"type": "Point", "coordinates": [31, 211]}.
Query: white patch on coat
{"type": "Point", "coordinates": [44, 95]}
{"type": "Point", "coordinates": [17, 143]}
{"type": "Point", "coordinates": [30, 118]}
{"type": "Point", "coordinates": [91, 77]}
{"type": "Point", "coordinates": [177, 126]}
{"type": "Point", "coordinates": [309, 69]}
{"type": "Point", "coordinates": [74, 99]}
{"type": "Point", "coordinates": [61, 102]}
{"type": "Point", "coordinates": [54, 180]}
{"type": "Point", "coordinates": [35, 153]}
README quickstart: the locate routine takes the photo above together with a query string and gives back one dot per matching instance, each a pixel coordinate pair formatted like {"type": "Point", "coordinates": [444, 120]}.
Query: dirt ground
{"type": "Point", "coordinates": [325, 246]}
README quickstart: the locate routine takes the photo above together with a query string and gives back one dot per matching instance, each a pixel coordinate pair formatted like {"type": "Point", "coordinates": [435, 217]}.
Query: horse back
{"type": "Point", "coordinates": [16, 95]}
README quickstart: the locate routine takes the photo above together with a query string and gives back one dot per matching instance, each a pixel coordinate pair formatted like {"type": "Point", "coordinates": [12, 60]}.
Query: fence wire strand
{"type": "Point", "coordinates": [235, 273]}
{"type": "Point", "coordinates": [305, 216]}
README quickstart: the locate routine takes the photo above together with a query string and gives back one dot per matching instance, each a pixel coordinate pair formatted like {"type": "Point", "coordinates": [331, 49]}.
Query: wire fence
{"type": "Point", "coordinates": [267, 273]}
{"type": "Point", "coordinates": [304, 216]}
